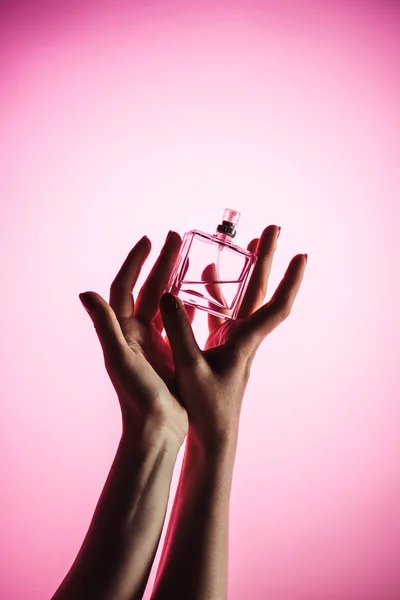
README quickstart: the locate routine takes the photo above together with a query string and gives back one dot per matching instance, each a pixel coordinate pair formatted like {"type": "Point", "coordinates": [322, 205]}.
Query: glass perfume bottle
{"type": "Point", "coordinates": [211, 273]}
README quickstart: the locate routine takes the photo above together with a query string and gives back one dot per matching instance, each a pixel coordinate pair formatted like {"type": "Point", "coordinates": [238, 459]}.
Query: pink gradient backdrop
{"type": "Point", "coordinates": [121, 119]}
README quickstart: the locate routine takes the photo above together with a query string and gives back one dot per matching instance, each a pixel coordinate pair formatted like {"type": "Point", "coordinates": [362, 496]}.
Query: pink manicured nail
{"type": "Point", "coordinates": [87, 302]}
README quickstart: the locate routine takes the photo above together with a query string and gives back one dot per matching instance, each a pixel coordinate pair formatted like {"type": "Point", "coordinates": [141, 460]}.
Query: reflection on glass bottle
{"type": "Point", "coordinates": [210, 272]}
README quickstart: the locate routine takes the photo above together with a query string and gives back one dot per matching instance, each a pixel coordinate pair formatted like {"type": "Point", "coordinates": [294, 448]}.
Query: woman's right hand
{"type": "Point", "coordinates": [212, 382]}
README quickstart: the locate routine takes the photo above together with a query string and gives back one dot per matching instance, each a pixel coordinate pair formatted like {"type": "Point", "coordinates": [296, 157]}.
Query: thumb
{"type": "Point", "coordinates": [183, 344]}
{"type": "Point", "coordinates": [106, 324]}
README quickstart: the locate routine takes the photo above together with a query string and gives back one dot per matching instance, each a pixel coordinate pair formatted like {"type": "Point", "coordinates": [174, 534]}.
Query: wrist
{"type": "Point", "coordinates": [209, 466]}
{"type": "Point", "coordinates": [148, 435]}
{"type": "Point", "coordinates": [213, 447]}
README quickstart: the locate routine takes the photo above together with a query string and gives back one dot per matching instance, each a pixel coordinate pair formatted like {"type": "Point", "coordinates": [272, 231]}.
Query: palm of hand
{"type": "Point", "coordinates": [225, 351]}
{"type": "Point", "coordinates": [151, 374]}
{"type": "Point", "coordinates": [146, 339]}
{"type": "Point", "coordinates": [144, 375]}
{"type": "Point", "coordinates": [221, 334]}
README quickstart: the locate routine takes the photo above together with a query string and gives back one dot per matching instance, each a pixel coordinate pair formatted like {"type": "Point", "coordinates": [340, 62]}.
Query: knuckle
{"type": "Point", "coordinates": [100, 323]}
{"type": "Point", "coordinates": [132, 342]}
{"type": "Point", "coordinates": [262, 291]}
{"type": "Point", "coordinates": [281, 307]}
{"type": "Point", "coordinates": [116, 284]}
{"type": "Point", "coordinates": [284, 311]}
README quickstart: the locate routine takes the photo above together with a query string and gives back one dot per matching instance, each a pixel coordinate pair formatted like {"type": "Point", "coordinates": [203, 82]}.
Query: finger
{"type": "Point", "coordinates": [121, 299]}
{"type": "Point", "coordinates": [185, 349]}
{"type": "Point", "coordinates": [257, 288]}
{"type": "Point", "coordinates": [107, 327]}
{"type": "Point", "coordinates": [259, 324]}
{"type": "Point", "coordinates": [214, 289]}
{"type": "Point", "coordinates": [147, 303]}
{"type": "Point", "coordinates": [190, 313]}
{"type": "Point", "coordinates": [189, 308]}
{"type": "Point", "coordinates": [252, 246]}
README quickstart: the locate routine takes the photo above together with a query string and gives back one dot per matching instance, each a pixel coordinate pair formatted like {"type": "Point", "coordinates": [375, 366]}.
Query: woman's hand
{"type": "Point", "coordinates": [137, 358]}
{"type": "Point", "coordinates": [212, 382]}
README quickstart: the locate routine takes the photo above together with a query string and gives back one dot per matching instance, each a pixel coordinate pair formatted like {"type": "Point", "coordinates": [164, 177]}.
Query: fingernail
{"type": "Point", "coordinates": [169, 235]}
{"type": "Point", "coordinates": [306, 256]}
{"type": "Point", "coordinates": [87, 302]}
{"type": "Point", "coordinates": [168, 302]}
{"type": "Point", "coordinates": [279, 232]}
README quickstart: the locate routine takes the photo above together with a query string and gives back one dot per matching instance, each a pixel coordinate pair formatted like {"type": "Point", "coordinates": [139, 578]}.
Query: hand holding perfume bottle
{"type": "Point", "coordinates": [212, 382]}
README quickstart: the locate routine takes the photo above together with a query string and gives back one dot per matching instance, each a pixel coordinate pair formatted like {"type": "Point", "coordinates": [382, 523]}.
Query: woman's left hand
{"type": "Point", "coordinates": [138, 359]}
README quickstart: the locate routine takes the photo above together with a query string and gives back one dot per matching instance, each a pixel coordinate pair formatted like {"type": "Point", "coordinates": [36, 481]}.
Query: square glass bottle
{"type": "Point", "coordinates": [211, 273]}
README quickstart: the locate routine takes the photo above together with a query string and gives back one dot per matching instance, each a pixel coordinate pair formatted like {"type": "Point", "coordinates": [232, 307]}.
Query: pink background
{"type": "Point", "coordinates": [120, 119]}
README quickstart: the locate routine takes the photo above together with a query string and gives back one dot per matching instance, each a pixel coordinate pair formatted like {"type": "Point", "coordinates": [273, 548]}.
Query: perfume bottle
{"type": "Point", "coordinates": [211, 273]}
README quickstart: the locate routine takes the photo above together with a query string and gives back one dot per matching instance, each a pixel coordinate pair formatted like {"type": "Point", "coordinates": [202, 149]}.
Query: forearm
{"type": "Point", "coordinates": [194, 561]}
{"type": "Point", "coordinates": [116, 556]}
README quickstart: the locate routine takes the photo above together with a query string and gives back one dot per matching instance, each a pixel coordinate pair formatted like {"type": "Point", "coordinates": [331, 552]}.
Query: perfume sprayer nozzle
{"type": "Point", "coordinates": [229, 221]}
